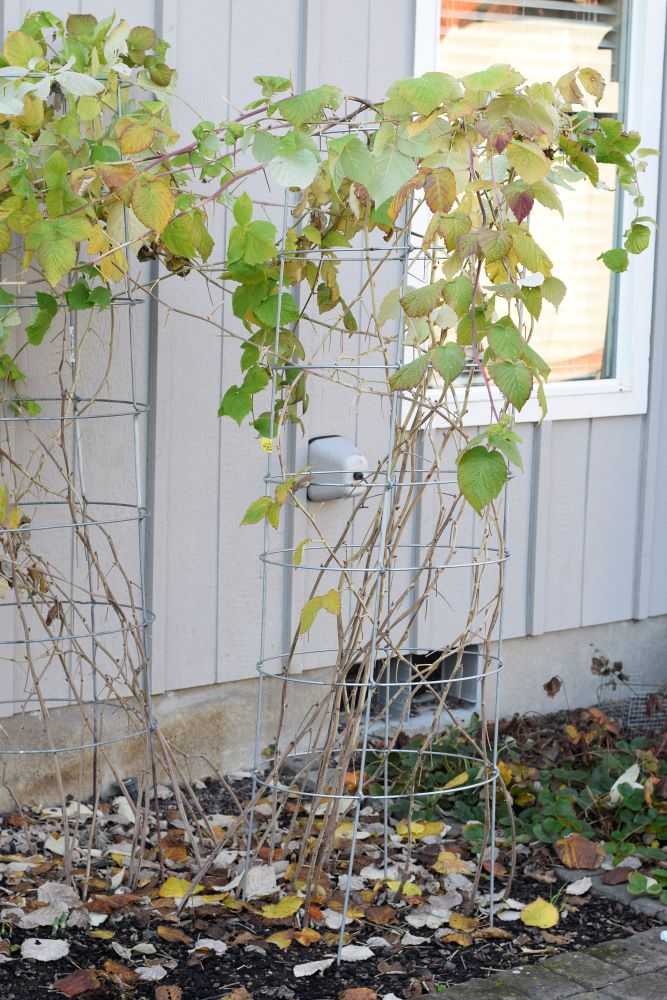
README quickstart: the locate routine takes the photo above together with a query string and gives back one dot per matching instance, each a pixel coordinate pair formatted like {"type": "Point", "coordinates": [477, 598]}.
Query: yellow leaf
{"type": "Point", "coordinates": [134, 137]}
{"type": "Point", "coordinates": [287, 907]}
{"type": "Point", "coordinates": [407, 889]}
{"type": "Point", "coordinates": [20, 48]}
{"type": "Point", "coordinates": [111, 263]}
{"type": "Point", "coordinates": [420, 830]}
{"type": "Point", "coordinates": [459, 922]}
{"type": "Point", "coordinates": [215, 897]}
{"type": "Point", "coordinates": [449, 863]}
{"type": "Point", "coordinates": [281, 939]}
{"type": "Point", "coordinates": [175, 888]}
{"type": "Point", "coordinates": [460, 779]}
{"type": "Point", "coordinates": [540, 913]}
{"type": "Point", "coordinates": [4, 500]}
{"type": "Point", "coordinates": [101, 934]}
{"type": "Point", "coordinates": [345, 830]}
{"type": "Point", "coordinates": [13, 518]}
{"type": "Point", "coordinates": [153, 203]}
{"type": "Point", "coordinates": [505, 771]}
{"type": "Point", "coordinates": [307, 936]}
{"type": "Point", "coordinates": [460, 938]}
{"type": "Point", "coordinates": [406, 829]}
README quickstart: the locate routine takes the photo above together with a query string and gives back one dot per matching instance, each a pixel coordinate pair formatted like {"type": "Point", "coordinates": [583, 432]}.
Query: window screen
{"type": "Point", "coordinates": [544, 39]}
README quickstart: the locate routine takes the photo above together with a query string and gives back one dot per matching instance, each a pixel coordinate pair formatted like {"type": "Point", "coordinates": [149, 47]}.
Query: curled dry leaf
{"type": "Point", "coordinates": [459, 922]}
{"type": "Point", "coordinates": [121, 973]}
{"type": "Point", "coordinates": [540, 913]}
{"type": "Point", "coordinates": [580, 887]}
{"type": "Point", "coordinates": [553, 686]}
{"type": "Point", "coordinates": [239, 994]}
{"type": "Point", "coordinates": [449, 863]}
{"type": "Point", "coordinates": [168, 993]}
{"type": "Point", "coordinates": [577, 851]}
{"type": "Point", "coordinates": [358, 993]}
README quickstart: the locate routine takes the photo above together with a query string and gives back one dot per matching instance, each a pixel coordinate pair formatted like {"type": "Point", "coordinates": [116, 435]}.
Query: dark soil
{"type": "Point", "coordinates": [266, 971]}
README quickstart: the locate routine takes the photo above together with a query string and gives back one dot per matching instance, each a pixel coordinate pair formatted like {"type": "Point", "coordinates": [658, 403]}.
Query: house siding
{"type": "Point", "coordinates": [588, 518]}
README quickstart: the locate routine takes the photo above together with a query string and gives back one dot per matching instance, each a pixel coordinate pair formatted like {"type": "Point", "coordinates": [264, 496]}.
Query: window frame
{"type": "Point", "coordinates": [625, 393]}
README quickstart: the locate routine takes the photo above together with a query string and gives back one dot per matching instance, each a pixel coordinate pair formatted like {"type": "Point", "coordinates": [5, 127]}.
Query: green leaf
{"type": "Point", "coordinates": [391, 170]}
{"type": "Point", "coordinates": [547, 195]}
{"type": "Point", "coordinates": [243, 209]}
{"type": "Point", "coordinates": [458, 294]}
{"type": "Point", "coordinates": [57, 257]}
{"type": "Point", "coordinates": [153, 202]}
{"type": "Point", "coordinates": [409, 375]}
{"type": "Point", "coordinates": [440, 189]}
{"type": "Point", "coordinates": [6, 299]}
{"type": "Point", "coordinates": [267, 312]}
{"type": "Point", "coordinates": [236, 403]}
{"type": "Point", "coordinates": [505, 340]}
{"type": "Point", "coordinates": [532, 299]}
{"type": "Point", "coordinates": [503, 438]}
{"type": "Point", "coordinates": [326, 602]}
{"type": "Point", "coordinates": [56, 169]}
{"type": "Point", "coordinates": [448, 360]}
{"type": "Point", "coordinates": [500, 77]}
{"type": "Point", "coordinates": [356, 162]}
{"type": "Point", "coordinates": [553, 290]}
{"type": "Point", "coordinates": [294, 162]}
{"type": "Point", "coordinates": [494, 243]}
{"type": "Point", "coordinates": [260, 242]}
{"type": "Point", "coordinates": [453, 227]}
{"type": "Point", "coordinates": [257, 510]}
{"type": "Point", "coordinates": [426, 93]}
{"type": "Point", "coordinates": [180, 236]}
{"type": "Point", "coordinates": [142, 37]}
{"type": "Point", "coordinates": [309, 106]}
{"type": "Point", "coordinates": [514, 379]}
{"type": "Point", "coordinates": [47, 307]}
{"type": "Point", "coordinates": [78, 296]}
{"type": "Point", "coordinates": [579, 159]}
{"type": "Point", "coordinates": [637, 238]}
{"type": "Point", "coordinates": [297, 557]}
{"type": "Point", "coordinates": [272, 85]}
{"type": "Point", "coordinates": [616, 260]}
{"type": "Point", "coordinates": [422, 301]}
{"type": "Point", "coordinates": [528, 160]}
{"type": "Point", "coordinates": [481, 476]}
{"type": "Point", "coordinates": [528, 251]}
{"type": "Point", "coordinates": [389, 307]}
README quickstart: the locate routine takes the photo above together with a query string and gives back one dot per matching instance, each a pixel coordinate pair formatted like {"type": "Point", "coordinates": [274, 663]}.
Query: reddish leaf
{"type": "Point", "coordinates": [173, 935]}
{"type": "Point", "coordinates": [119, 972]}
{"type": "Point", "coordinates": [521, 204]}
{"type": "Point", "coordinates": [616, 876]}
{"type": "Point", "coordinates": [80, 982]}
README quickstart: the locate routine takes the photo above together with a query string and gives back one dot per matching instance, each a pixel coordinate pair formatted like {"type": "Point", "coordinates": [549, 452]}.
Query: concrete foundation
{"type": "Point", "coordinates": [212, 728]}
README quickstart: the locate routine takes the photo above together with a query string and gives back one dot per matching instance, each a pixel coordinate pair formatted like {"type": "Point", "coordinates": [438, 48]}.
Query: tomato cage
{"type": "Point", "coordinates": [382, 610]}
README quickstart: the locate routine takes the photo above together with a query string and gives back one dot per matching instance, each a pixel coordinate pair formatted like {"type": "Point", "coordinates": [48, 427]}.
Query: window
{"type": "Point", "coordinates": [598, 342]}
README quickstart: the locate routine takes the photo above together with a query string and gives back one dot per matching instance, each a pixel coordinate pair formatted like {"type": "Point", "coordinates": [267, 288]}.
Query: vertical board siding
{"type": "Point", "coordinates": [588, 516]}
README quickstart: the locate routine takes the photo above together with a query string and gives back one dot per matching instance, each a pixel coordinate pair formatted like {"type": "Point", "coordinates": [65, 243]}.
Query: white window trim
{"type": "Point", "coordinates": [627, 392]}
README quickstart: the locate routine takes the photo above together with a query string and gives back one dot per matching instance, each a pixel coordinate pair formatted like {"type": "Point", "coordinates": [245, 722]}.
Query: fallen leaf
{"type": "Point", "coordinates": [310, 968]}
{"type": "Point", "coordinates": [492, 934]}
{"type": "Point", "coordinates": [356, 953]}
{"type": "Point", "coordinates": [460, 779]}
{"type": "Point", "coordinates": [459, 922]}
{"type": "Point", "coordinates": [168, 993]}
{"type": "Point", "coordinates": [449, 863]}
{"type": "Point", "coordinates": [460, 938]}
{"type": "Point", "coordinates": [173, 935]}
{"type": "Point", "coordinates": [260, 882]}
{"type": "Point", "coordinates": [281, 939]}
{"type": "Point", "coordinates": [176, 888]}
{"type": "Point", "coordinates": [628, 777]}
{"type": "Point", "coordinates": [616, 876]}
{"type": "Point", "coordinates": [580, 887]}
{"type": "Point", "coordinates": [420, 830]}
{"type": "Point", "coordinates": [81, 981]}
{"type": "Point", "coordinates": [151, 973]}
{"type": "Point", "coordinates": [210, 944]}
{"type": "Point", "coordinates": [381, 915]}
{"type": "Point", "coordinates": [559, 939]}
{"type": "Point", "coordinates": [287, 907]}
{"type": "Point", "coordinates": [119, 972]}
{"type": "Point", "coordinates": [51, 950]}
{"type": "Point", "coordinates": [239, 994]}
{"type": "Point", "coordinates": [577, 851]}
{"type": "Point", "coordinates": [540, 913]}
{"type": "Point", "coordinates": [307, 936]}
{"type": "Point", "coordinates": [358, 993]}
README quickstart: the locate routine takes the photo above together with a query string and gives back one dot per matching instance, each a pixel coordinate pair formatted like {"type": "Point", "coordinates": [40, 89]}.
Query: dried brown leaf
{"type": "Point", "coordinates": [119, 972]}
{"type": "Point", "coordinates": [173, 935]}
{"type": "Point", "coordinates": [78, 983]}
{"type": "Point", "coordinates": [358, 993]}
{"type": "Point", "coordinates": [553, 686]}
{"type": "Point", "coordinates": [616, 876]}
{"type": "Point", "coordinates": [577, 851]}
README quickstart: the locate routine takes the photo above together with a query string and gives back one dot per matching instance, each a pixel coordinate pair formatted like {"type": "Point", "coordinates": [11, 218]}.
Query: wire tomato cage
{"type": "Point", "coordinates": [400, 557]}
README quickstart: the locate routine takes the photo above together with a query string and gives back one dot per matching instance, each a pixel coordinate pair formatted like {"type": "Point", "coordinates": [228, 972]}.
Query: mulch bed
{"type": "Point", "coordinates": [265, 971]}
